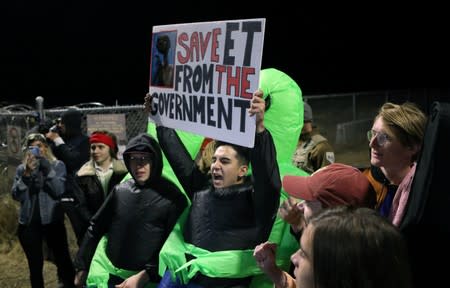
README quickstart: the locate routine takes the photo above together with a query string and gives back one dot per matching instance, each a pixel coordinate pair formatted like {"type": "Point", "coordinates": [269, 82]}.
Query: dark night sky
{"type": "Point", "coordinates": [78, 51]}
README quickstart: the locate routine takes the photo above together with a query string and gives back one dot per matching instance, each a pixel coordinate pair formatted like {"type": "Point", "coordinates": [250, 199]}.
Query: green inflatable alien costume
{"type": "Point", "coordinates": [284, 120]}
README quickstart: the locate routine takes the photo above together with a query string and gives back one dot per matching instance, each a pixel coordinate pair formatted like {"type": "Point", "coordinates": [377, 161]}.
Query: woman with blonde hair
{"type": "Point", "coordinates": [38, 183]}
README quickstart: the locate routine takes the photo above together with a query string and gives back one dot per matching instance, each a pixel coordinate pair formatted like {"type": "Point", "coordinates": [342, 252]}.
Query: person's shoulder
{"type": "Point", "coordinates": [20, 168]}
{"type": "Point", "coordinates": [87, 169]}
{"type": "Point", "coordinates": [59, 163]}
{"type": "Point", "coordinates": [318, 138]}
{"type": "Point", "coordinates": [119, 167]}
{"type": "Point", "coordinates": [324, 146]}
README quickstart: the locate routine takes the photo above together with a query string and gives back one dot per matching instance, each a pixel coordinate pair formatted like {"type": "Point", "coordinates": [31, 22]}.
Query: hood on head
{"type": "Point", "coordinates": [72, 121]}
{"type": "Point", "coordinates": [145, 143]}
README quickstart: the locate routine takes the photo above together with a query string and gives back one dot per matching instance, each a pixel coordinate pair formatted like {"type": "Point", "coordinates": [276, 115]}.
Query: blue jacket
{"type": "Point", "coordinates": [28, 190]}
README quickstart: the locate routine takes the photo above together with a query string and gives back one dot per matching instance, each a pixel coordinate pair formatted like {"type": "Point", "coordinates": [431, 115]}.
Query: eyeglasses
{"type": "Point", "coordinates": [141, 159]}
{"type": "Point", "coordinates": [382, 137]}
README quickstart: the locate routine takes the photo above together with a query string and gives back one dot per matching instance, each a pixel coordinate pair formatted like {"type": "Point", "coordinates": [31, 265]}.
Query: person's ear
{"type": "Point", "coordinates": [243, 170]}
{"type": "Point", "coordinates": [414, 150]}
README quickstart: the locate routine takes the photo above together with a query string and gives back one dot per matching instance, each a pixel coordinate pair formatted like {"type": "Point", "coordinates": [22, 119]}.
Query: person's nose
{"type": "Point", "coordinates": [372, 142]}
{"type": "Point", "coordinates": [301, 206]}
{"type": "Point", "coordinates": [215, 165]}
{"type": "Point", "coordinates": [294, 258]}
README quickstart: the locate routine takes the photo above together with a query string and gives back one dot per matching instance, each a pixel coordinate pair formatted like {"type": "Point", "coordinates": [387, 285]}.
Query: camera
{"type": "Point", "coordinates": [55, 129]}
{"type": "Point", "coordinates": [34, 150]}
{"type": "Point", "coordinates": [44, 127]}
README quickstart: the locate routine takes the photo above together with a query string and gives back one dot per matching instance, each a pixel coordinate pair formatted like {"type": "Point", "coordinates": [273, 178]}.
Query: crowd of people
{"type": "Point", "coordinates": [344, 218]}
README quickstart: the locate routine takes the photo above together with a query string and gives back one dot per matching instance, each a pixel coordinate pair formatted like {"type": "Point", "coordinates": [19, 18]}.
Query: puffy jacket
{"type": "Point", "coordinates": [232, 218]}
{"type": "Point", "coordinates": [137, 219]}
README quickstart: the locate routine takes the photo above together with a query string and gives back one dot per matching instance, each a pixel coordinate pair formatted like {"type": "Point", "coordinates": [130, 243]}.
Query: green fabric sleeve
{"type": "Point", "coordinates": [284, 120]}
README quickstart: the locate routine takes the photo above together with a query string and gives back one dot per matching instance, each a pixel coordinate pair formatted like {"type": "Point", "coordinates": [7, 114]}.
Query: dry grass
{"type": "Point", "coordinates": [13, 262]}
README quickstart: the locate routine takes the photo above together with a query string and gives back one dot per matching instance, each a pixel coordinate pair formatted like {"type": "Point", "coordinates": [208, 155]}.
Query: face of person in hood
{"type": "Point", "coordinates": [62, 127]}
{"type": "Point", "coordinates": [226, 169]}
{"type": "Point", "coordinates": [140, 166]}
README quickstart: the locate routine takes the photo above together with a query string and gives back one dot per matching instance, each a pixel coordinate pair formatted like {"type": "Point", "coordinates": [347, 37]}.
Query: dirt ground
{"type": "Point", "coordinates": [13, 263]}
{"type": "Point", "coordinates": [15, 270]}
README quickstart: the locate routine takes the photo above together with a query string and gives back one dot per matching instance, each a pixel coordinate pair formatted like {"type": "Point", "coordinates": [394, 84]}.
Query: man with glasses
{"type": "Point", "coordinates": [136, 218]}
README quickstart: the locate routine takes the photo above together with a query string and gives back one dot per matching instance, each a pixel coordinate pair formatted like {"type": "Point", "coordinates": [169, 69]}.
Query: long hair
{"type": "Point", "coordinates": [357, 248]}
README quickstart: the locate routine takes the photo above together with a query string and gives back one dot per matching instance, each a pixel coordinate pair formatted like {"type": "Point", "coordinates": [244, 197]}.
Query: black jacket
{"type": "Point", "coordinates": [137, 219]}
{"type": "Point", "coordinates": [89, 191]}
{"type": "Point", "coordinates": [233, 218]}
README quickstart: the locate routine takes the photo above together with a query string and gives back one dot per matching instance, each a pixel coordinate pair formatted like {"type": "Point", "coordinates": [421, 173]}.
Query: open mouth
{"type": "Point", "coordinates": [217, 177]}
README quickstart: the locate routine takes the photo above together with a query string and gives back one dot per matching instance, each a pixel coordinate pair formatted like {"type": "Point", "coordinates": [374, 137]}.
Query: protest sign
{"type": "Point", "coordinates": [203, 76]}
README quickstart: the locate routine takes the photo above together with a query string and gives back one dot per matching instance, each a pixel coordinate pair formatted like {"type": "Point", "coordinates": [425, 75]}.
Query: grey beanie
{"type": "Point", "coordinates": [307, 113]}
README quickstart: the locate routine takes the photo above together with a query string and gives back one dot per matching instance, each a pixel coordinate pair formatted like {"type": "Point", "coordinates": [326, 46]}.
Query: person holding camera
{"type": "Point", "coordinates": [71, 146]}
{"type": "Point", "coordinates": [38, 184]}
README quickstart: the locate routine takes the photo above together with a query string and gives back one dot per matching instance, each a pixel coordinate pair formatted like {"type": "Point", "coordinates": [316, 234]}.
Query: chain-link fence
{"type": "Point", "coordinates": [14, 126]}
{"type": "Point", "coordinates": [342, 118]}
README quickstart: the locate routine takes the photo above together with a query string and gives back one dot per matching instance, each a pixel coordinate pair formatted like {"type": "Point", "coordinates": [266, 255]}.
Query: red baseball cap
{"type": "Point", "coordinates": [332, 185]}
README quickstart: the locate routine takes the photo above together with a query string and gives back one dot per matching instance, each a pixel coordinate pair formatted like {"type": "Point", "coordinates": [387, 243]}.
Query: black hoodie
{"type": "Point", "coordinates": [136, 219]}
